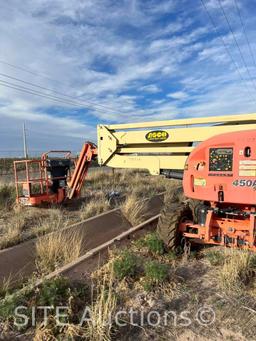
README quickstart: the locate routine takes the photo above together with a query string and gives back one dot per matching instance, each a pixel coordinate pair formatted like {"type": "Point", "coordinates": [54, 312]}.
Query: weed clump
{"type": "Point", "coordinates": [7, 196]}
{"type": "Point", "coordinates": [52, 293]}
{"type": "Point", "coordinates": [153, 244]}
{"type": "Point", "coordinates": [125, 265]}
{"type": "Point", "coordinates": [155, 274]}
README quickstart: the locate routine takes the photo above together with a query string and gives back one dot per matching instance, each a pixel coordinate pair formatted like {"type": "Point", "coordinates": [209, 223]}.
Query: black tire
{"type": "Point", "coordinates": [171, 216]}
{"type": "Point", "coordinates": [176, 196]}
{"type": "Point", "coordinates": [194, 205]}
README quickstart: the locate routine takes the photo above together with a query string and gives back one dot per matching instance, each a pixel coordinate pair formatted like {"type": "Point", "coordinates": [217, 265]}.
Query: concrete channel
{"type": "Point", "coordinates": [81, 268]}
{"type": "Point", "coordinates": [19, 262]}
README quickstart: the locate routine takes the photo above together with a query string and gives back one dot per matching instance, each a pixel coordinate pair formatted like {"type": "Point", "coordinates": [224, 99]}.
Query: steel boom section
{"type": "Point", "coordinates": [126, 145]}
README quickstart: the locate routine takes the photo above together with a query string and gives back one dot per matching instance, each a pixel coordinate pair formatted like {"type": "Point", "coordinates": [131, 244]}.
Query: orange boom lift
{"type": "Point", "coordinates": [221, 174]}
{"type": "Point", "coordinates": [50, 179]}
{"type": "Point", "coordinates": [215, 157]}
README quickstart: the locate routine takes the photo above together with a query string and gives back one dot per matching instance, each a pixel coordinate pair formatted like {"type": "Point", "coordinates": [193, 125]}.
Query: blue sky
{"type": "Point", "coordinates": [135, 60]}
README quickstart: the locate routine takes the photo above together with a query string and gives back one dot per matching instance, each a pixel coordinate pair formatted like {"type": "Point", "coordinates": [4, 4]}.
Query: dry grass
{"type": "Point", "coordinates": [44, 332]}
{"type": "Point", "coordinates": [73, 331]}
{"type": "Point", "coordinates": [134, 210]}
{"type": "Point", "coordinates": [97, 326]}
{"type": "Point", "coordinates": [126, 181]}
{"type": "Point", "coordinates": [26, 223]}
{"type": "Point", "coordinates": [12, 234]}
{"type": "Point", "coordinates": [101, 180]}
{"type": "Point", "coordinates": [69, 330]}
{"type": "Point", "coordinates": [7, 196]}
{"type": "Point", "coordinates": [102, 310]}
{"type": "Point", "coordinates": [54, 220]}
{"type": "Point", "coordinates": [189, 287]}
{"type": "Point", "coordinates": [5, 286]}
{"type": "Point", "coordinates": [17, 225]}
{"type": "Point", "coordinates": [94, 207]}
{"type": "Point", "coordinates": [237, 270]}
{"type": "Point", "coordinates": [14, 228]}
{"type": "Point", "coordinates": [57, 249]}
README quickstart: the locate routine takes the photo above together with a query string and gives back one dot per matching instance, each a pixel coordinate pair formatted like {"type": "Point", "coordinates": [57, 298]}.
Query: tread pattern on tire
{"type": "Point", "coordinates": [171, 215]}
{"type": "Point", "coordinates": [194, 205]}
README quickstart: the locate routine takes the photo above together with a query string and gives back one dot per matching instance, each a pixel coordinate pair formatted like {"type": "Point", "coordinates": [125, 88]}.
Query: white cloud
{"type": "Point", "coordinates": [216, 53]}
{"type": "Point", "coordinates": [180, 95]}
{"type": "Point", "coordinates": [151, 88]}
{"type": "Point", "coordinates": [214, 4]}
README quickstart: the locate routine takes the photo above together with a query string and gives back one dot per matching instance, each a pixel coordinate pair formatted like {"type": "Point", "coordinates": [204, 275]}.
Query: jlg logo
{"type": "Point", "coordinates": [157, 136]}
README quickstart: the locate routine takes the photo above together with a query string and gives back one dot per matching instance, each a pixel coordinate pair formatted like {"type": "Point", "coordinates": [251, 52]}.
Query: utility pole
{"type": "Point", "coordinates": [25, 142]}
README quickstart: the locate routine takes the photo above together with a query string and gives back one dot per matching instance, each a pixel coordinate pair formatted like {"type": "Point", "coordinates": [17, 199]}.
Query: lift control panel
{"type": "Point", "coordinates": [220, 159]}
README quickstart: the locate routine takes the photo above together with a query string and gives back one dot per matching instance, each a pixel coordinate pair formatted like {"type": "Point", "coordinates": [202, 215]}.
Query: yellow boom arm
{"type": "Point", "coordinates": [162, 145]}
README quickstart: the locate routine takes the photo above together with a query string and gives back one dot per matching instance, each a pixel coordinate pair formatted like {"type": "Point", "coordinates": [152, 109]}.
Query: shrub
{"type": "Point", "coordinates": [154, 244]}
{"type": "Point", "coordinates": [7, 196]}
{"type": "Point", "coordinates": [52, 293]}
{"type": "Point", "coordinates": [125, 265]}
{"type": "Point", "coordinates": [11, 301]}
{"type": "Point", "coordinates": [155, 273]}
